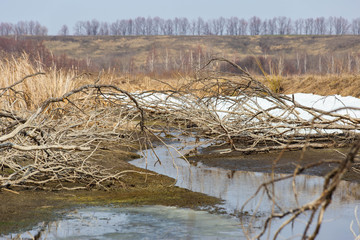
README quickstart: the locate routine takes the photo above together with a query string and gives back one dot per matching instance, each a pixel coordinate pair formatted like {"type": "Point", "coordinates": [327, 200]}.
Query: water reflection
{"type": "Point", "coordinates": [235, 187]}
{"type": "Point", "coordinates": [148, 222]}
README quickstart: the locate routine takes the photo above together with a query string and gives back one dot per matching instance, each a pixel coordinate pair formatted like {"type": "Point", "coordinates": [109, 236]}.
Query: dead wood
{"type": "Point", "coordinates": [51, 148]}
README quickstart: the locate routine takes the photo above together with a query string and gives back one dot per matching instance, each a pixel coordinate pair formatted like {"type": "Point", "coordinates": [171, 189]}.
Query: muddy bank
{"type": "Point", "coordinates": [23, 210]}
{"type": "Point", "coordinates": [263, 162]}
{"type": "Point", "coordinates": [19, 212]}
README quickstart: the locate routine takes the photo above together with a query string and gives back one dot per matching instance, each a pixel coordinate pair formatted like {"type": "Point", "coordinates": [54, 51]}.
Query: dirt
{"type": "Point", "coordinates": [286, 162]}
{"type": "Point", "coordinates": [27, 208]}
{"type": "Point", "coordinates": [23, 209]}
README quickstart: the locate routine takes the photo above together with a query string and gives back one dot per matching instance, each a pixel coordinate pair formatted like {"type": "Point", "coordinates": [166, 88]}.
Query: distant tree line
{"type": "Point", "coordinates": [23, 28]}
{"type": "Point", "coordinates": [219, 26]}
{"type": "Point", "coordinates": [159, 62]}
{"type": "Point", "coordinates": [183, 26]}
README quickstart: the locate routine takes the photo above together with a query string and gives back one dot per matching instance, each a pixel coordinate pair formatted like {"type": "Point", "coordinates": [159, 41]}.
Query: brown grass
{"type": "Point", "coordinates": [228, 46]}
{"type": "Point", "coordinates": [57, 82]}
{"type": "Point", "coordinates": [33, 90]}
{"type": "Point", "coordinates": [344, 84]}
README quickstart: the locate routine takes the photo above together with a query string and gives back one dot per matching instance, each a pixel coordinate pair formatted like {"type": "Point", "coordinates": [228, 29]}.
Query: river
{"type": "Point", "coordinates": [234, 187]}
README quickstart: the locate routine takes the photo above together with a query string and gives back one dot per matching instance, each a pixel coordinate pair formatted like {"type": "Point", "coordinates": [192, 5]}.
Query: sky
{"type": "Point", "coordinates": [53, 14]}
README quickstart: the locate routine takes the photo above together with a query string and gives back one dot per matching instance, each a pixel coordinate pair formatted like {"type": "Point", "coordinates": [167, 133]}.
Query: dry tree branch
{"type": "Point", "coordinates": [43, 147]}
{"type": "Point", "coordinates": [55, 158]}
{"type": "Point", "coordinates": [18, 82]}
{"type": "Point", "coordinates": [241, 121]}
{"type": "Point", "coordinates": [317, 206]}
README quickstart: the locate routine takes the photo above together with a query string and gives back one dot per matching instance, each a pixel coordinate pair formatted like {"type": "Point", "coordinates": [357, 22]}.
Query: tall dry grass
{"type": "Point", "coordinates": [330, 84]}
{"type": "Point", "coordinates": [54, 82]}
{"type": "Point", "coordinates": [33, 90]}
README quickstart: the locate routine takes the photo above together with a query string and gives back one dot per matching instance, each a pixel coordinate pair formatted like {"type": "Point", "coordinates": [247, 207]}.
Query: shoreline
{"type": "Point", "coordinates": [24, 210]}
{"type": "Point", "coordinates": [263, 162]}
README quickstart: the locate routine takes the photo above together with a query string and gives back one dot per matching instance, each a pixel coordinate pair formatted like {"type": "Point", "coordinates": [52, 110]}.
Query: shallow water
{"type": "Point", "coordinates": [235, 187]}
{"type": "Point", "coordinates": [148, 222]}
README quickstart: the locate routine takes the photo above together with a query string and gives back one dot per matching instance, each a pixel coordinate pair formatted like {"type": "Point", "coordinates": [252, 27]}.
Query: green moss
{"type": "Point", "coordinates": [21, 212]}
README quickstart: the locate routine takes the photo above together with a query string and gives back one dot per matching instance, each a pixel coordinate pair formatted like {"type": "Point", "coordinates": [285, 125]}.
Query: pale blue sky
{"type": "Point", "coordinates": [53, 14]}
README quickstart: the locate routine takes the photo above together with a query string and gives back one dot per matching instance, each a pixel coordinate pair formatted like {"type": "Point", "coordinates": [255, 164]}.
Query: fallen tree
{"type": "Point", "coordinates": [51, 146]}
{"type": "Point", "coordinates": [246, 114]}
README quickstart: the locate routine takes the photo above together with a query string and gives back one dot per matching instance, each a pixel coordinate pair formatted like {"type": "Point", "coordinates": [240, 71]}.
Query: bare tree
{"type": "Point", "coordinates": [64, 30]}
{"type": "Point", "coordinates": [176, 23]}
{"type": "Point", "coordinates": [104, 29]}
{"type": "Point", "coordinates": [115, 28]}
{"type": "Point", "coordinates": [200, 26]}
{"type": "Point", "coordinates": [214, 26]}
{"type": "Point", "coordinates": [94, 27]}
{"type": "Point", "coordinates": [299, 26]}
{"type": "Point", "coordinates": [192, 27]}
{"type": "Point", "coordinates": [79, 28]}
{"type": "Point", "coordinates": [221, 24]}
{"type": "Point", "coordinates": [119, 27]}
{"type": "Point", "coordinates": [20, 28]}
{"type": "Point", "coordinates": [272, 26]}
{"type": "Point", "coordinates": [254, 25]}
{"type": "Point", "coordinates": [168, 28]}
{"type": "Point", "coordinates": [130, 27]}
{"type": "Point", "coordinates": [232, 26]}
{"type": "Point", "coordinates": [139, 26]}
{"type": "Point", "coordinates": [341, 25]}
{"type": "Point", "coordinates": [320, 26]}
{"type": "Point", "coordinates": [331, 25]}
{"type": "Point", "coordinates": [149, 28]}
{"type": "Point", "coordinates": [243, 27]}
{"type": "Point", "coordinates": [309, 26]}
{"type": "Point", "coordinates": [41, 31]}
{"type": "Point", "coordinates": [207, 29]}
{"type": "Point", "coordinates": [265, 27]}
{"type": "Point", "coordinates": [355, 26]}
{"type": "Point", "coordinates": [183, 26]}
{"type": "Point", "coordinates": [157, 21]}
{"type": "Point", "coordinates": [88, 28]}
{"type": "Point", "coordinates": [31, 27]}
{"type": "Point", "coordinates": [284, 25]}
{"type": "Point", "coordinates": [6, 29]}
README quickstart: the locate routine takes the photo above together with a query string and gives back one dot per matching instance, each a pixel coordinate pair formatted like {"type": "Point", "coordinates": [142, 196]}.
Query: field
{"type": "Point", "coordinates": [229, 47]}
{"type": "Point", "coordinates": [313, 64]}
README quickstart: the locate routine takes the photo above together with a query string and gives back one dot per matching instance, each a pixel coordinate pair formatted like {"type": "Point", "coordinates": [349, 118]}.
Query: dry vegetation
{"type": "Point", "coordinates": [232, 47]}
{"type": "Point", "coordinates": [322, 65]}
{"type": "Point", "coordinates": [53, 120]}
{"type": "Point", "coordinates": [341, 84]}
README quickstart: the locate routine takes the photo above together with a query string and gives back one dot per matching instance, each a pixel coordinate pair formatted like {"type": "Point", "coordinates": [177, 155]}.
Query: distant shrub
{"type": "Point", "coordinates": [38, 53]}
